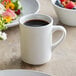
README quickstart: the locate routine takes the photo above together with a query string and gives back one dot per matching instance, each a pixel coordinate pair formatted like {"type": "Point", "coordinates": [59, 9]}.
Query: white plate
{"type": "Point", "coordinates": [29, 7]}
{"type": "Point", "coordinates": [22, 73]}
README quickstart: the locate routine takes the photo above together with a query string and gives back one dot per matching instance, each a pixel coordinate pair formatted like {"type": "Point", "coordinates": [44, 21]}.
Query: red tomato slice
{"type": "Point", "coordinates": [63, 0]}
{"type": "Point", "coordinates": [70, 5]}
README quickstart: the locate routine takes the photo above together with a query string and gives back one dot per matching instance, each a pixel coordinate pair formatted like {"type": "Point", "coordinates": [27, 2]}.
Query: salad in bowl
{"type": "Point", "coordinates": [9, 11]}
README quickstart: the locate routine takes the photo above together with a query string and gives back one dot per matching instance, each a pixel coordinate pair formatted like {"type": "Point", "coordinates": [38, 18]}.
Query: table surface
{"type": "Point", "coordinates": [63, 62]}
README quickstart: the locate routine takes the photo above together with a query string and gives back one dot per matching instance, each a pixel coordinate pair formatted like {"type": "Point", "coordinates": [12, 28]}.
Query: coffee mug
{"type": "Point", "coordinates": [36, 42]}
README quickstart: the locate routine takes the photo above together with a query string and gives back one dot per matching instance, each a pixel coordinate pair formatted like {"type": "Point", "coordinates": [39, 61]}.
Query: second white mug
{"type": "Point", "coordinates": [36, 42]}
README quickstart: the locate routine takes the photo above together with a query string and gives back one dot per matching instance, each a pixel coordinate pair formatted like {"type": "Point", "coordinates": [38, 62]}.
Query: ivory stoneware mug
{"type": "Point", "coordinates": [36, 41]}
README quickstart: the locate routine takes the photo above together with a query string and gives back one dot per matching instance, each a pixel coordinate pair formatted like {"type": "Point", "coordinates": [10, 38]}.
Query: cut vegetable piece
{"type": "Point", "coordinates": [2, 8]}
{"type": "Point", "coordinates": [70, 5]}
{"type": "Point", "coordinates": [10, 13]}
{"type": "Point", "coordinates": [8, 19]}
{"type": "Point", "coordinates": [63, 0]}
{"type": "Point", "coordinates": [18, 12]}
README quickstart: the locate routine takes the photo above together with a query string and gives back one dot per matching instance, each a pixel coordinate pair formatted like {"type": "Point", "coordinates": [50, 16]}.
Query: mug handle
{"type": "Point", "coordinates": [62, 29]}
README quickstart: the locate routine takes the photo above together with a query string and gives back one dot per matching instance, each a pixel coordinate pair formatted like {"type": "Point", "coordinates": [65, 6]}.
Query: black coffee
{"type": "Point", "coordinates": [36, 23]}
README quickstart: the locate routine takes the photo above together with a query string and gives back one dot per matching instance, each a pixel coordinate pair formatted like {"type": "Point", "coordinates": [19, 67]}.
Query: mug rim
{"type": "Point", "coordinates": [50, 23]}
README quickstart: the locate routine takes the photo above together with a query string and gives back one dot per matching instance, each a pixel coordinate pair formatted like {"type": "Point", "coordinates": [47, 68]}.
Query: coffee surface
{"type": "Point", "coordinates": [36, 23]}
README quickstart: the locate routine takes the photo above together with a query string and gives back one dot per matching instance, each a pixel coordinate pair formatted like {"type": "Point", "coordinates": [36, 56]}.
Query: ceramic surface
{"type": "Point", "coordinates": [66, 16]}
{"type": "Point", "coordinates": [19, 72]}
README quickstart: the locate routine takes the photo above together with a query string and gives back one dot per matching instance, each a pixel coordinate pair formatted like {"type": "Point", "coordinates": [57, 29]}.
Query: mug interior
{"type": "Point", "coordinates": [36, 16]}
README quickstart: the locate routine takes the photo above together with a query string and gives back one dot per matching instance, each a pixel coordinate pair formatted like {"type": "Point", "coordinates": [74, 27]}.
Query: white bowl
{"type": "Point", "coordinates": [22, 73]}
{"type": "Point", "coordinates": [66, 16]}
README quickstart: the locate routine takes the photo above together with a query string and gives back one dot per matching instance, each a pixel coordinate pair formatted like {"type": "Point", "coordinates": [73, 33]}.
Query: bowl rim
{"type": "Point", "coordinates": [61, 7]}
{"type": "Point", "coordinates": [38, 9]}
{"type": "Point", "coordinates": [24, 70]}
